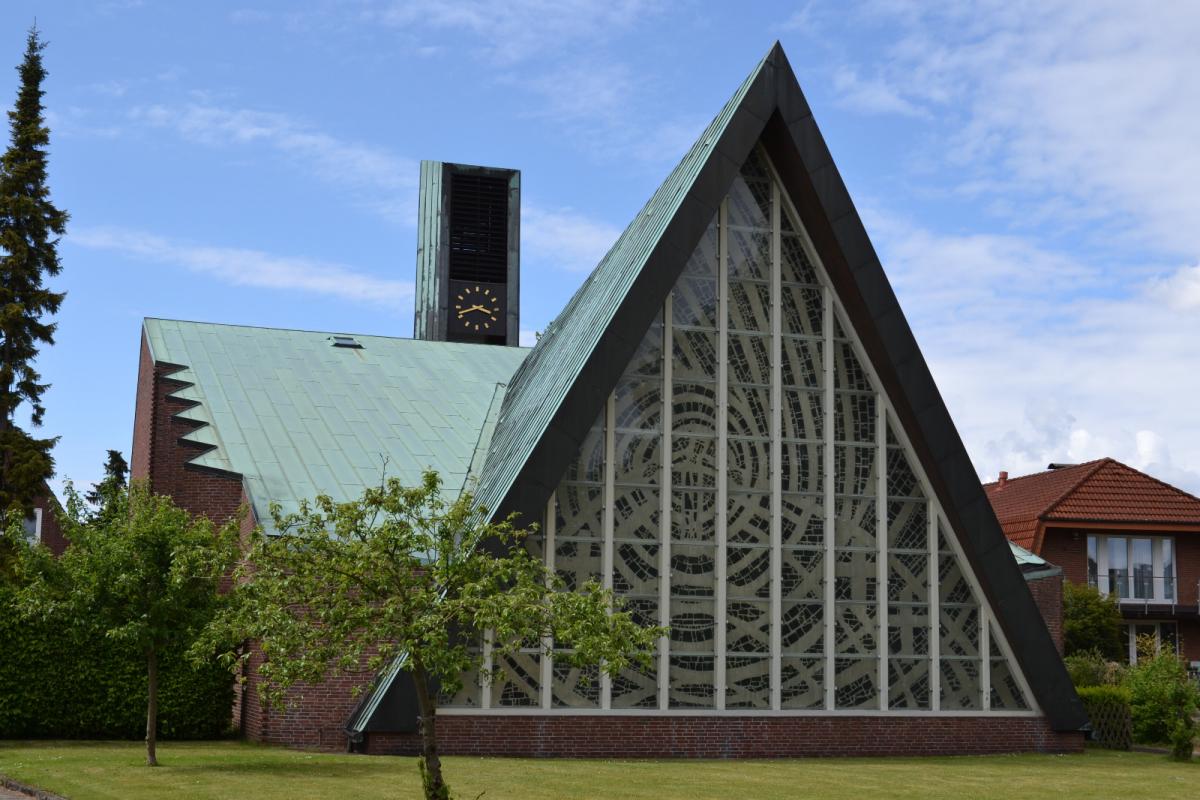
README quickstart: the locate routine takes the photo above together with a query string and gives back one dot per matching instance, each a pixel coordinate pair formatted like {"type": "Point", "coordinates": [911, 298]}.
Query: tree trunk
{"type": "Point", "coordinates": [152, 707]}
{"type": "Point", "coordinates": [430, 763]}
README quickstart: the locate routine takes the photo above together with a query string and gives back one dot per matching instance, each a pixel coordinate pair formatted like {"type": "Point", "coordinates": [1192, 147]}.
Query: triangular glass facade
{"type": "Point", "coordinates": [746, 485]}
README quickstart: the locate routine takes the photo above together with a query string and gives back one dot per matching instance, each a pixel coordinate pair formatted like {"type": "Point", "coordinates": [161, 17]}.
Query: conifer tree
{"type": "Point", "coordinates": [30, 227]}
{"type": "Point", "coordinates": [116, 474]}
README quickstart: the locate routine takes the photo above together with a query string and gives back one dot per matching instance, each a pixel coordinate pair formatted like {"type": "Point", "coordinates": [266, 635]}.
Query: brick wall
{"type": "Point", "coordinates": [596, 736]}
{"type": "Point", "coordinates": [1048, 596]}
{"type": "Point", "coordinates": [52, 535]}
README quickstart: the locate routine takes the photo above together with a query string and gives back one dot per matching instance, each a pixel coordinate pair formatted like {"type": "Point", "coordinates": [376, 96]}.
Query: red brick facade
{"type": "Point", "coordinates": [598, 736]}
{"type": "Point", "coordinates": [1048, 596]}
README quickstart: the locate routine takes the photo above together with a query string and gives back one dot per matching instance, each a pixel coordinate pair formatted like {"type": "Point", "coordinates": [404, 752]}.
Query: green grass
{"type": "Point", "coordinates": [104, 770]}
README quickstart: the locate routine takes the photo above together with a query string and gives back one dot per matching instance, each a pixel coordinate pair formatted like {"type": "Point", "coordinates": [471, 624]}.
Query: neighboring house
{"type": "Point", "coordinates": [42, 525]}
{"type": "Point", "coordinates": [1130, 535]}
{"type": "Point", "coordinates": [730, 424]}
{"type": "Point", "coordinates": [1045, 582]}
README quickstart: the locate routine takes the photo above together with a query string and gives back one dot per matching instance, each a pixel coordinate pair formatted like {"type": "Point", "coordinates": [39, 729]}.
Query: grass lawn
{"type": "Point", "coordinates": [113, 770]}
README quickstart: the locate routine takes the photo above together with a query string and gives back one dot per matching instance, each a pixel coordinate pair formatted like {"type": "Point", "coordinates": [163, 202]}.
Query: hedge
{"type": "Point", "coordinates": [70, 681]}
{"type": "Point", "coordinates": [1112, 719]}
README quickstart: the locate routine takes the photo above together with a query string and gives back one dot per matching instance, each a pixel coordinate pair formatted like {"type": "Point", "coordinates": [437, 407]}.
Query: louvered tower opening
{"type": "Point", "coordinates": [478, 228]}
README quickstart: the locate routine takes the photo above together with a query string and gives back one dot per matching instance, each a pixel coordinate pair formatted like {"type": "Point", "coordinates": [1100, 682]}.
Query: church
{"type": "Point", "coordinates": [730, 425]}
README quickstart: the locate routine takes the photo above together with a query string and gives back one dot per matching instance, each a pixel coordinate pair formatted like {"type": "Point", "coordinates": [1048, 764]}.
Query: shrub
{"type": "Point", "coordinates": [1109, 710]}
{"type": "Point", "coordinates": [1090, 668]}
{"type": "Point", "coordinates": [1163, 699]}
{"type": "Point", "coordinates": [1091, 621]}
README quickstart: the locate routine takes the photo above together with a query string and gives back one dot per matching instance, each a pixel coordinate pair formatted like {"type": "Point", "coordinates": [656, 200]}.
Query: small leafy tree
{"type": "Point", "coordinates": [1092, 621]}
{"type": "Point", "coordinates": [1163, 699]}
{"type": "Point", "coordinates": [404, 573]}
{"type": "Point", "coordinates": [149, 572]}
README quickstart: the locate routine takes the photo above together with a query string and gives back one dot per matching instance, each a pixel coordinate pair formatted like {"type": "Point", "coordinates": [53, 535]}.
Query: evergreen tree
{"type": "Point", "coordinates": [30, 227]}
{"type": "Point", "coordinates": [116, 473]}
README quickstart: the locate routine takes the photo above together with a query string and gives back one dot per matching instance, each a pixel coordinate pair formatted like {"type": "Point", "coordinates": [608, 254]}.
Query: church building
{"type": "Point", "coordinates": [730, 425]}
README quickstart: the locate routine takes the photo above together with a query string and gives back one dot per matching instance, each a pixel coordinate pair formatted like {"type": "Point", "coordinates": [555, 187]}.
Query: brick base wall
{"type": "Point", "coordinates": [1048, 596]}
{"type": "Point", "coordinates": [597, 736]}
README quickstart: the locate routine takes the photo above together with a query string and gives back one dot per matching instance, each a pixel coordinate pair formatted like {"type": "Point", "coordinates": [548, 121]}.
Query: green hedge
{"type": "Point", "coordinates": [1111, 715]}
{"type": "Point", "coordinates": [69, 681]}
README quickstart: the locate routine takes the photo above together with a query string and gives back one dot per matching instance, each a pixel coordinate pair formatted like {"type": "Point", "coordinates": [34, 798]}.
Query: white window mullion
{"type": "Point", "coordinates": [776, 451]}
{"type": "Point", "coordinates": [935, 615]}
{"type": "Point", "coordinates": [985, 650]}
{"type": "Point", "coordinates": [881, 537]}
{"type": "Point", "coordinates": [830, 566]}
{"type": "Point", "coordinates": [548, 642]}
{"type": "Point", "coordinates": [722, 455]}
{"type": "Point", "coordinates": [664, 529]}
{"type": "Point", "coordinates": [606, 558]}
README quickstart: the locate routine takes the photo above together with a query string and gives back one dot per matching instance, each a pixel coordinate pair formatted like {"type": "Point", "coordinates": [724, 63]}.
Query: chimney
{"type": "Point", "coordinates": [1003, 478]}
{"type": "Point", "coordinates": [468, 254]}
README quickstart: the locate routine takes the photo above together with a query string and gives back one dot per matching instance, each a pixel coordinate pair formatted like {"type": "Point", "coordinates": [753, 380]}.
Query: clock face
{"type": "Point", "coordinates": [477, 308]}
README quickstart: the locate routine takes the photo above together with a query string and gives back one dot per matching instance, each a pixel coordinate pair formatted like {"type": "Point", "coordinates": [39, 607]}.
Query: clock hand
{"type": "Point", "coordinates": [466, 311]}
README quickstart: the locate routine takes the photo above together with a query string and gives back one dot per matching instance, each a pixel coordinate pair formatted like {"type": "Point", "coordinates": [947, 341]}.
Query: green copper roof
{"type": "Point", "coordinates": [1032, 566]}
{"type": "Point", "coordinates": [296, 416]}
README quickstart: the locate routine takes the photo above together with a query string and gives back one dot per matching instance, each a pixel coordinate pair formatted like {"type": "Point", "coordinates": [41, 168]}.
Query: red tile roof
{"type": "Point", "coordinates": [1097, 491]}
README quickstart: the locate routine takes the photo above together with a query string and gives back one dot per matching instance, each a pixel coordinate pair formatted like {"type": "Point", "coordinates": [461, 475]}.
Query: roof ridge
{"type": "Point", "coordinates": [1044, 472]}
{"type": "Point", "coordinates": [322, 333]}
{"type": "Point", "coordinates": [1099, 463]}
{"type": "Point", "coordinates": [1114, 462]}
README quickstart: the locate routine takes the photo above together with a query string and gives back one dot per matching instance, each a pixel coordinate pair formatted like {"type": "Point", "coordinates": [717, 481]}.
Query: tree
{"type": "Point", "coordinates": [116, 473]}
{"type": "Point", "coordinates": [402, 575]}
{"type": "Point", "coordinates": [30, 227]}
{"type": "Point", "coordinates": [1092, 621]}
{"type": "Point", "coordinates": [149, 572]}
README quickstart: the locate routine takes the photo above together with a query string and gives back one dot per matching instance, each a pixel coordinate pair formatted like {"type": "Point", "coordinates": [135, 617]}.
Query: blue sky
{"type": "Point", "coordinates": [1028, 172]}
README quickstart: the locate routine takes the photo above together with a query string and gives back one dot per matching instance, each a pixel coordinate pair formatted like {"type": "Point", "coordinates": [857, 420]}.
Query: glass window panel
{"type": "Point", "coordinates": [691, 681]}
{"type": "Point", "coordinates": [749, 411]}
{"type": "Point", "coordinates": [855, 629]}
{"type": "Point", "coordinates": [703, 261]}
{"type": "Point", "coordinates": [854, 418]}
{"type": "Point", "coordinates": [1168, 637]}
{"type": "Point", "coordinates": [694, 302]}
{"type": "Point", "coordinates": [647, 359]}
{"type": "Point", "coordinates": [854, 523]}
{"type": "Point", "coordinates": [637, 512]}
{"type": "Point", "coordinates": [802, 574]}
{"type": "Point", "coordinates": [692, 626]}
{"type": "Point", "coordinates": [848, 372]}
{"type": "Point", "coordinates": [802, 683]}
{"type": "Point", "coordinates": [960, 684]}
{"type": "Point", "coordinates": [638, 403]}
{"type": "Point", "coordinates": [693, 571]}
{"type": "Point", "coordinates": [908, 630]}
{"type": "Point", "coordinates": [908, 525]}
{"type": "Point", "coordinates": [959, 631]}
{"type": "Point", "coordinates": [1118, 566]}
{"type": "Point", "coordinates": [747, 682]}
{"type": "Point", "coordinates": [1168, 567]}
{"type": "Point", "coordinates": [800, 467]}
{"type": "Point", "coordinates": [1143, 569]}
{"type": "Point", "coordinates": [694, 408]}
{"type": "Point", "coordinates": [693, 516]}
{"type": "Point", "coordinates": [748, 626]}
{"type": "Point", "coordinates": [470, 695]}
{"type": "Point", "coordinates": [803, 414]}
{"type": "Point", "coordinates": [574, 687]}
{"type": "Point", "coordinates": [854, 575]}
{"type": "Point", "coordinates": [908, 577]}
{"type": "Point", "coordinates": [637, 458]}
{"type": "Point", "coordinates": [854, 470]}
{"type": "Point", "coordinates": [749, 464]}
{"type": "Point", "coordinates": [1093, 566]}
{"type": "Point", "coordinates": [1006, 692]}
{"type": "Point", "coordinates": [801, 364]}
{"type": "Point", "coordinates": [749, 254]}
{"type": "Point", "coordinates": [516, 679]}
{"type": "Point", "coordinates": [749, 306]}
{"type": "Point", "coordinates": [577, 562]}
{"type": "Point", "coordinates": [748, 520]}
{"type": "Point", "coordinates": [749, 358]}
{"type": "Point", "coordinates": [902, 480]}
{"type": "Point", "coordinates": [803, 520]}
{"type": "Point", "coordinates": [695, 355]}
{"type": "Point", "coordinates": [796, 265]}
{"type": "Point", "coordinates": [908, 683]}
{"type": "Point", "coordinates": [856, 683]}
{"type": "Point", "coordinates": [694, 462]}
{"type": "Point", "coordinates": [750, 203]}
{"type": "Point", "coordinates": [580, 511]}
{"type": "Point", "coordinates": [748, 573]}
{"type": "Point", "coordinates": [636, 687]}
{"type": "Point", "coordinates": [802, 628]}
{"type": "Point", "coordinates": [635, 571]}
{"type": "Point", "coordinates": [588, 464]}
{"type": "Point", "coordinates": [803, 310]}
{"type": "Point", "coordinates": [954, 587]}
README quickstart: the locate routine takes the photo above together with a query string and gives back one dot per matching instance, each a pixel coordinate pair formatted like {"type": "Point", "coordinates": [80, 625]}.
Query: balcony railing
{"type": "Point", "coordinates": [1148, 590]}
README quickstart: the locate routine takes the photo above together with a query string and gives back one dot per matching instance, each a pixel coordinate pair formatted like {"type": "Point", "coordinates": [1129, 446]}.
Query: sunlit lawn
{"type": "Point", "coordinates": [93, 770]}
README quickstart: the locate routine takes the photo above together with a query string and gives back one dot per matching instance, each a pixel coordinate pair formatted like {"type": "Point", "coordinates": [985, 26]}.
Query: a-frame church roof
{"type": "Point", "coordinates": [557, 392]}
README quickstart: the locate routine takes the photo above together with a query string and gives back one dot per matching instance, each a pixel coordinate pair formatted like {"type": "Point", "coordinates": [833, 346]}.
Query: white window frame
{"type": "Point", "coordinates": [1131, 627]}
{"type": "Point", "coordinates": [1158, 580]}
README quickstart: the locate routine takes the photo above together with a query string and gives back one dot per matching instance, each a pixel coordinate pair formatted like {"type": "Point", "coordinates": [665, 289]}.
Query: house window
{"type": "Point", "coordinates": [1147, 638]}
{"type": "Point", "coordinates": [1133, 568]}
{"type": "Point", "coordinates": [33, 526]}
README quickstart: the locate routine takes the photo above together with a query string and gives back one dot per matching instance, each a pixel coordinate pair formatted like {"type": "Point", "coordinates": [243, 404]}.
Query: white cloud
{"type": "Point", "coordinates": [1180, 290]}
{"type": "Point", "coordinates": [246, 267]}
{"type": "Point", "coordinates": [871, 96]}
{"type": "Point", "coordinates": [564, 239]}
{"type": "Point", "coordinates": [382, 180]}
